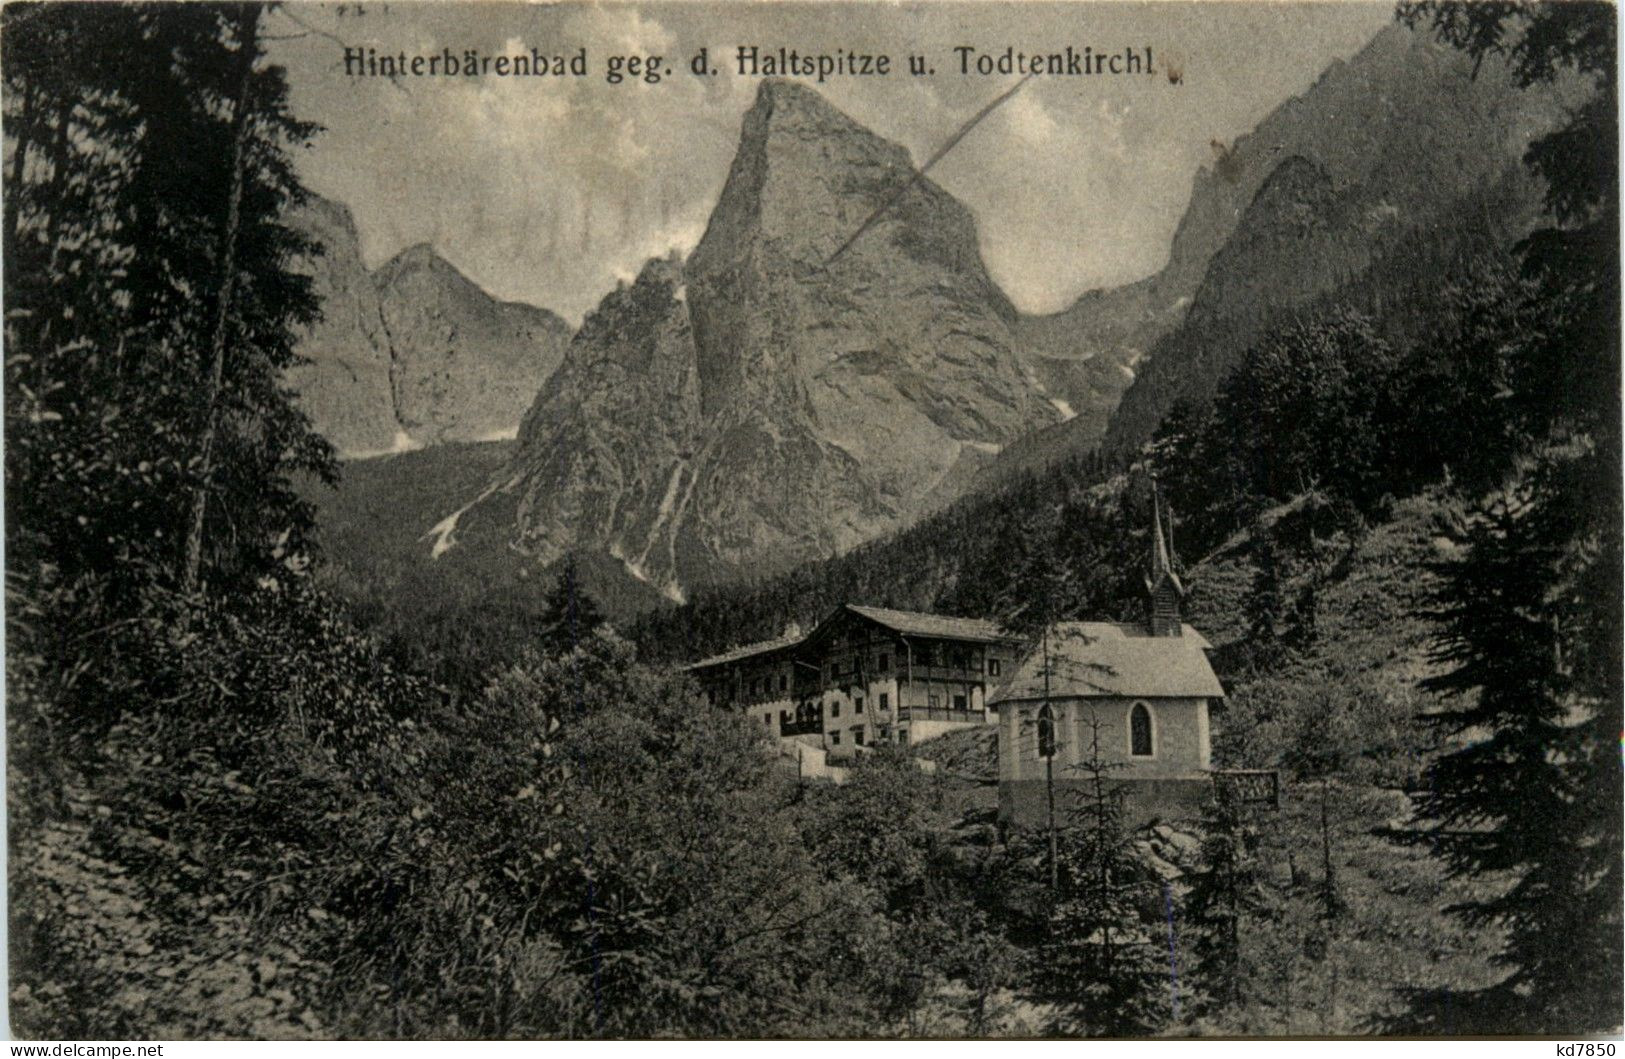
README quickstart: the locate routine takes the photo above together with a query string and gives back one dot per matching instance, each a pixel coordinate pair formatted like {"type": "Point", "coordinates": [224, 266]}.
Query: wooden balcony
{"type": "Point", "coordinates": [941, 713]}
{"type": "Point", "coordinates": [919, 674]}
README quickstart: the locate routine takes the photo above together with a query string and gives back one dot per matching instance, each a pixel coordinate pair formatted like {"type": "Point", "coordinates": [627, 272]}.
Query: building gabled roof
{"type": "Point", "coordinates": [1099, 659]}
{"type": "Point", "coordinates": [913, 623]}
{"type": "Point", "coordinates": [746, 651]}
{"type": "Point", "coordinates": [906, 622]}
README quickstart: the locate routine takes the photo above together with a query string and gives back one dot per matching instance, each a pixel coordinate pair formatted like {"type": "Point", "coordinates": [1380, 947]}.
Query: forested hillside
{"type": "Point", "coordinates": [436, 583]}
{"type": "Point", "coordinates": [1410, 139]}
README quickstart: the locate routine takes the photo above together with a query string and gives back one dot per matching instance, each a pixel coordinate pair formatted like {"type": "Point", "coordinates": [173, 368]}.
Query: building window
{"type": "Point", "coordinates": [992, 667]}
{"type": "Point", "coordinates": [835, 739]}
{"type": "Point", "coordinates": [959, 702]}
{"type": "Point", "coordinates": [784, 682]}
{"type": "Point", "coordinates": [857, 737]}
{"type": "Point", "coordinates": [857, 705]}
{"type": "Point", "coordinates": [902, 737]}
{"type": "Point", "coordinates": [885, 662]}
{"type": "Point", "coordinates": [834, 709]}
{"type": "Point", "coordinates": [1139, 724]}
{"type": "Point", "coordinates": [885, 701]}
{"type": "Point", "coordinates": [767, 719]}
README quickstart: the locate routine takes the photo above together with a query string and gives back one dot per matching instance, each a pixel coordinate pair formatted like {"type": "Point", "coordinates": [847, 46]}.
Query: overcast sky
{"type": "Point", "coordinates": [547, 191]}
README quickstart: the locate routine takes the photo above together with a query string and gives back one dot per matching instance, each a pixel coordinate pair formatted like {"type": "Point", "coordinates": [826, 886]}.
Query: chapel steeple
{"type": "Point", "coordinates": [1161, 582]}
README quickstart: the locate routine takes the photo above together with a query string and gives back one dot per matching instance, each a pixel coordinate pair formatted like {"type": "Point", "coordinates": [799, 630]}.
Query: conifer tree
{"type": "Point", "coordinates": [1266, 604]}
{"type": "Point", "coordinates": [1037, 578]}
{"type": "Point", "coordinates": [1103, 964]}
{"type": "Point", "coordinates": [1533, 786]}
{"type": "Point", "coordinates": [152, 295]}
{"type": "Point", "coordinates": [570, 614]}
{"type": "Point", "coordinates": [1530, 611]}
{"type": "Point", "coordinates": [1227, 899]}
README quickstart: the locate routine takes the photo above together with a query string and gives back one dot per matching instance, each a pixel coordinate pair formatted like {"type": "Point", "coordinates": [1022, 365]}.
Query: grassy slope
{"type": "Point", "coordinates": [382, 507]}
{"type": "Point", "coordinates": [459, 618]}
{"type": "Point", "coordinates": [376, 534]}
{"type": "Point", "coordinates": [1392, 937]}
{"type": "Point", "coordinates": [1352, 692]}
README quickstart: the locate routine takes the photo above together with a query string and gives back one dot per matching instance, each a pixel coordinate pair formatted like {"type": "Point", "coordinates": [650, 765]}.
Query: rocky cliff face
{"type": "Point", "coordinates": [1362, 124]}
{"type": "Point", "coordinates": [345, 384]}
{"type": "Point", "coordinates": [416, 353]}
{"type": "Point", "coordinates": [466, 365]}
{"type": "Point", "coordinates": [1398, 156]}
{"type": "Point", "coordinates": [1084, 355]}
{"type": "Point", "coordinates": [610, 455]}
{"type": "Point", "coordinates": [1383, 172]}
{"type": "Point", "coordinates": [761, 404]}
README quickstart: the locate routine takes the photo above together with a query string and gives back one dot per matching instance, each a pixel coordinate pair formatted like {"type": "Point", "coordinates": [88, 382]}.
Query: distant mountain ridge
{"type": "Point", "coordinates": [414, 353]}
{"type": "Point", "coordinates": [1395, 145]}
{"type": "Point", "coordinates": [757, 406]}
{"type": "Point", "coordinates": [1398, 144]}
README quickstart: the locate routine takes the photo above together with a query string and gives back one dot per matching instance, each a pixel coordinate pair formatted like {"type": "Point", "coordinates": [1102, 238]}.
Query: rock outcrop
{"type": "Point", "coordinates": [345, 384]}
{"type": "Point", "coordinates": [466, 365]}
{"type": "Point", "coordinates": [1397, 157]}
{"type": "Point", "coordinates": [416, 353]}
{"type": "Point", "coordinates": [771, 400]}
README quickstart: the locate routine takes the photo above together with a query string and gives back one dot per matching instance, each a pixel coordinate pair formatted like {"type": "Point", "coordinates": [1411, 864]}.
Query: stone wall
{"type": "Point", "coordinates": [925, 731]}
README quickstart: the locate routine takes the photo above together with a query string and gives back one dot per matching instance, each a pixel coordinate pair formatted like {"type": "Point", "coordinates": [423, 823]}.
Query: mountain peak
{"type": "Point", "coordinates": [320, 216]}
{"type": "Point", "coordinates": [779, 90]}
{"type": "Point", "coordinates": [756, 406]}
{"type": "Point", "coordinates": [416, 256]}
{"type": "Point", "coordinates": [414, 352]}
{"type": "Point", "coordinates": [1374, 167]}
{"type": "Point", "coordinates": [781, 104]}
{"type": "Point", "coordinates": [792, 110]}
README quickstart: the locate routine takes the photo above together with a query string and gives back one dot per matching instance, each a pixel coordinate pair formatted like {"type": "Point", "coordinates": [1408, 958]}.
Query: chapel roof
{"type": "Point", "coordinates": [1098, 659]}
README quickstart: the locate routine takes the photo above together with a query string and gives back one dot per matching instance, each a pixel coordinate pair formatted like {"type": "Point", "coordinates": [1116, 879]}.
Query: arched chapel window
{"type": "Point", "coordinates": [1139, 723]}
